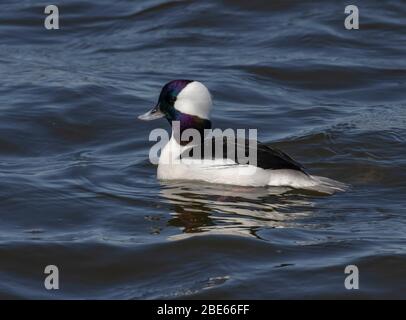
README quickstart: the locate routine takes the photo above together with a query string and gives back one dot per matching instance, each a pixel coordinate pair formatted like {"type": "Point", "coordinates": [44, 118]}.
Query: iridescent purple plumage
{"type": "Point", "coordinates": [167, 100]}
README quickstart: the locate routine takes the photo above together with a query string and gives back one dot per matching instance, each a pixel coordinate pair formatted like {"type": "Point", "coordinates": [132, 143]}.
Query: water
{"type": "Point", "coordinates": [78, 191]}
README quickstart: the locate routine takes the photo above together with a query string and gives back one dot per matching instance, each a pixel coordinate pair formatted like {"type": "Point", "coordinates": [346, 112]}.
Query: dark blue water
{"type": "Point", "coordinates": [78, 191]}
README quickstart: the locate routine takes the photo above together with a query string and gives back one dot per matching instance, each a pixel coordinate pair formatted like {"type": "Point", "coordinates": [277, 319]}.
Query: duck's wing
{"type": "Point", "coordinates": [273, 158]}
{"type": "Point", "coordinates": [267, 158]}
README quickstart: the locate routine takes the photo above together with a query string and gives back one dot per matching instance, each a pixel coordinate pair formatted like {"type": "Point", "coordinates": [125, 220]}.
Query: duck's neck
{"type": "Point", "coordinates": [186, 121]}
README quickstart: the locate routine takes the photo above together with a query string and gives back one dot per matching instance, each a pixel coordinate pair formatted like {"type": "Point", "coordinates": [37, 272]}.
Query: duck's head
{"type": "Point", "coordinates": [182, 100]}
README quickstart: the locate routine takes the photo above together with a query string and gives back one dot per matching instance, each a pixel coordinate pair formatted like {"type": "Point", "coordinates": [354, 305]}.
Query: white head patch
{"type": "Point", "coordinates": [194, 99]}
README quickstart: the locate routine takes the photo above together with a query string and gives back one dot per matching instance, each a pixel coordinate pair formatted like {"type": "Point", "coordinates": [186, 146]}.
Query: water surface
{"type": "Point", "coordinates": [78, 191]}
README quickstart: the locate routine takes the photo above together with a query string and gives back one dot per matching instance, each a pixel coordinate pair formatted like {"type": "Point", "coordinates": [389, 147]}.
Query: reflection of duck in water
{"type": "Point", "coordinates": [216, 209]}
{"type": "Point", "coordinates": [189, 103]}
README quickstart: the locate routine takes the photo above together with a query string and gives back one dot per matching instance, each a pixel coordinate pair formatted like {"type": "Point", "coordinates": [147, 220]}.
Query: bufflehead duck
{"type": "Point", "coordinates": [189, 103]}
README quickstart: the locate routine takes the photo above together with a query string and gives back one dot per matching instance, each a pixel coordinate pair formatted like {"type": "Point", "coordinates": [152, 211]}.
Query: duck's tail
{"type": "Point", "coordinates": [326, 185]}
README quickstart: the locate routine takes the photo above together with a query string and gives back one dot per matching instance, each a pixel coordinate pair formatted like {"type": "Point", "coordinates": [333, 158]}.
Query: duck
{"type": "Point", "coordinates": [187, 104]}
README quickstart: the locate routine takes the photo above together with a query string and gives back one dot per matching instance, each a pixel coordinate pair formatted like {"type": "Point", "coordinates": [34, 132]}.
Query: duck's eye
{"type": "Point", "coordinates": [171, 99]}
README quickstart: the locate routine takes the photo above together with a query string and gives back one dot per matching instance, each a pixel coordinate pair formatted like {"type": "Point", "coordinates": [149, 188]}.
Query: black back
{"type": "Point", "coordinates": [268, 158]}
